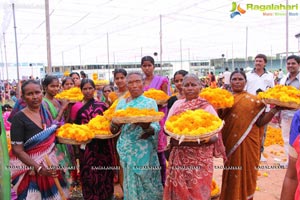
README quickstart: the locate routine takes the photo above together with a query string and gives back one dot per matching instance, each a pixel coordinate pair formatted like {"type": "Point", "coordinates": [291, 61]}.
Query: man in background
{"type": "Point", "coordinates": [259, 79]}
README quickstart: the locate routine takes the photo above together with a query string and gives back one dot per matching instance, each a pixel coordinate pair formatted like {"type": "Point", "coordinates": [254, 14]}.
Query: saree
{"type": "Point", "coordinates": [190, 171]}
{"type": "Point", "coordinates": [157, 83]}
{"type": "Point", "coordinates": [294, 148]}
{"type": "Point", "coordinates": [26, 183]}
{"type": "Point", "coordinates": [4, 161]}
{"type": "Point", "coordinates": [62, 149]}
{"type": "Point", "coordinates": [138, 157]}
{"type": "Point", "coordinates": [96, 160]}
{"type": "Point", "coordinates": [242, 140]}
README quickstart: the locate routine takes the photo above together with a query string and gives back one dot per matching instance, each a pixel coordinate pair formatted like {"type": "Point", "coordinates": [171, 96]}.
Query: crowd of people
{"type": "Point", "coordinates": [137, 158]}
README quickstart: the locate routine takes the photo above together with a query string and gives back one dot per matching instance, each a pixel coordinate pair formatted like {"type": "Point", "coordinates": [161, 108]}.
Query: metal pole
{"type": "Point", "coordinates": [287, 30]}
{"type": "Point", "coordinates": [246, 59]}
{"type": "Point", "coordinates": [107, 41]}
{"type": "Point", "coordinates": [189, 55]}
{"type": "Point", "coordinates": [2, 74]}
{"type": "Point", "coordinates": [160, 36]}
{"type": "Point", "coordinates": [232, 61]}
{"type": "Point", "coordinates": [5, 56]}
{"type": "Point", "coordinates": [181, 53]}
{"type": "Point", "coordinates": [48, 36]}
{"type": "Point", "coordinates": [80, 55]}
{"type": "Point", "coordinates": [17, 55]}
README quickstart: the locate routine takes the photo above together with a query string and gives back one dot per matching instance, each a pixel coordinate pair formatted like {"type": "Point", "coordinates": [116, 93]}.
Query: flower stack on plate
{"type": "Point", "coordinates": [73, 95]}
{"type": "Point", "coordinates": [101, 127]}
{"type": "Point", "coordinates": [74, 134]}
{"type": "Point", "coordinates": [135, 115]}
{"type": "Point", "coordinates": [193, 125]}
{"type": "Point", "coordinates": [159, 96]}
{"type": "Point", "coordinates": [281, 95]}
{"type": "Point", "coordinates": [217, 97]}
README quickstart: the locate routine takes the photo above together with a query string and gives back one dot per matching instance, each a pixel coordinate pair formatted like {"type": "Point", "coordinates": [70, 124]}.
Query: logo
{"type": "Point", "coordinates": [236, 10]}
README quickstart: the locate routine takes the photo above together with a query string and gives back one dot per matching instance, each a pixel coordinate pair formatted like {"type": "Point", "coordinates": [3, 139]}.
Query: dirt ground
{"type": "Point", "coordinates": [269, 182]}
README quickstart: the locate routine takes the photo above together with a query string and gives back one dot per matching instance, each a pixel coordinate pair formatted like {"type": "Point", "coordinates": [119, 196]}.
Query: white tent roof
{"type": "Point", "coordinates": [81, 30]}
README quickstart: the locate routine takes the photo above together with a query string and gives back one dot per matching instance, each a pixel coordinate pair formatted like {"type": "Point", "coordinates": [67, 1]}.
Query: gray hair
{"type": "Point", "coordinates": [135, 73]}
{"type": "Point", "coordinates": [193, 76]}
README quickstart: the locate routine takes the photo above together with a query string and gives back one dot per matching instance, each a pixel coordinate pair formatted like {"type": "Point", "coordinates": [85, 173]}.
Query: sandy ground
{"type": "Point", "coordinates": [269, 182]}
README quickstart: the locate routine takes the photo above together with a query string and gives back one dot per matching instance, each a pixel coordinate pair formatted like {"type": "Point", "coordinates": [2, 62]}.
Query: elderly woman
{"type": "Point", "coordinates": [242, 139]}
{"type": "Point", "coordinates": [191, 182]}
{"type": "Point", "coordinates": [137, 146]}
{"type": "Point", "coordinates": [33, 139]}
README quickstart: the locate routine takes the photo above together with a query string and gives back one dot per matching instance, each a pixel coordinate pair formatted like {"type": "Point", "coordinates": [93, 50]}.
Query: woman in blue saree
{"type": "Point", "coordinates": [137, 146]}
{"type": "Point", "coordinates": [96, 184]}
{"type": "Point", "coordinates": [33, 139]}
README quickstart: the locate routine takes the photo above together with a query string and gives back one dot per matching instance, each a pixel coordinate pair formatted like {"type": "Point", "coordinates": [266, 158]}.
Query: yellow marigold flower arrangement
{"type": "Point", "coordinates": [273, 136]}
{"type": "Point", "coordinates": [99, 125]}
{"type": "Point", "coordinates": [108, 114]}
{"type": "Point", "coordinates": [101, 82]}
{"type": "Point", "coordinates": [135, 112]}
{"type": "Point", "coordinates": [193, 123]}
{"type": "Point", "coordinates": [217, 97]}
{"type": "Point", "coordinates": [156, 94]}
{"type": "Point", "coordinates": [79, 133]}
{"type": "Point", "coordinates": [215, 190]}
{"type": "Point", "coordinates": [282, 93]}
{"type": "Point", "coordinates": [66, 73]}
{"type": "Point", "coordinates": [72, 94]}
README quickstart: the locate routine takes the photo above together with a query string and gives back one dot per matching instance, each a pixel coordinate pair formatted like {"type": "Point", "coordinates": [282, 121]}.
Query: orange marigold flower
{"type": "Point", "coordinates": [217, 97]}
{"type": "Point", "coordinates": [193, 123]}
{"type": "Point", "coordinates": [72, 94]}
{"type": "Point", "coordinates": [156, 94]}
{"type": "Point", "coordinates": [282, 93]}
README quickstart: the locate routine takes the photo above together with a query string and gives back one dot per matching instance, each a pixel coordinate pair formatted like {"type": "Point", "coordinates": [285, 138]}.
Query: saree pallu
{"type": "Point", "coordinates": [242, 140]}
{"type": "Point", "coordinates": [62, 150]}
{"type": "Point", "coordinates": [190, 170]}
{"type": "Point", "coordinates": [29, 185]}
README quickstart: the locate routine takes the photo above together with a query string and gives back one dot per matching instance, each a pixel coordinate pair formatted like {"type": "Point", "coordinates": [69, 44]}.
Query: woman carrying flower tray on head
{"type": "Point", "coordinates": [190, 171]}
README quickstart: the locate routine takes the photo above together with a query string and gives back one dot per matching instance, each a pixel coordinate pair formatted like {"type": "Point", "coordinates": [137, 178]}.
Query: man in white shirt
{"type": "Point", "coordinates": [226, 76]}
{"type": "Point", "coordinates": [292, 78]}
{"type": "Point", "coordinates": [259, 79]}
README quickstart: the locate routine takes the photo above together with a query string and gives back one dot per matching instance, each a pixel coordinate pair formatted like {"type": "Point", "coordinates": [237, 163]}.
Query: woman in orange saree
{"type": "Point", "coordinates": [242, 139]}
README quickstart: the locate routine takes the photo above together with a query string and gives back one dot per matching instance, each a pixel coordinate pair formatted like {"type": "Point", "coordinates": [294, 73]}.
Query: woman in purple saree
{"type": "Point", "coordinates": [159, 83]}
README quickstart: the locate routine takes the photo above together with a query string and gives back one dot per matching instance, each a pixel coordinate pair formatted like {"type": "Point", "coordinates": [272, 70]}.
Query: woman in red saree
{"type": "Point", "coordinates": [244, 126]}
{"type": "Point", "coordinates": [189, 175]}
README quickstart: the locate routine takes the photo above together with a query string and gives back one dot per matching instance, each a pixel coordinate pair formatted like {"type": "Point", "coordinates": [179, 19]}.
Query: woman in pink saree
{"type": "Point", "coordinates": [291, 184]}
{"type": "Point", "coordinates": [190, 171]}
